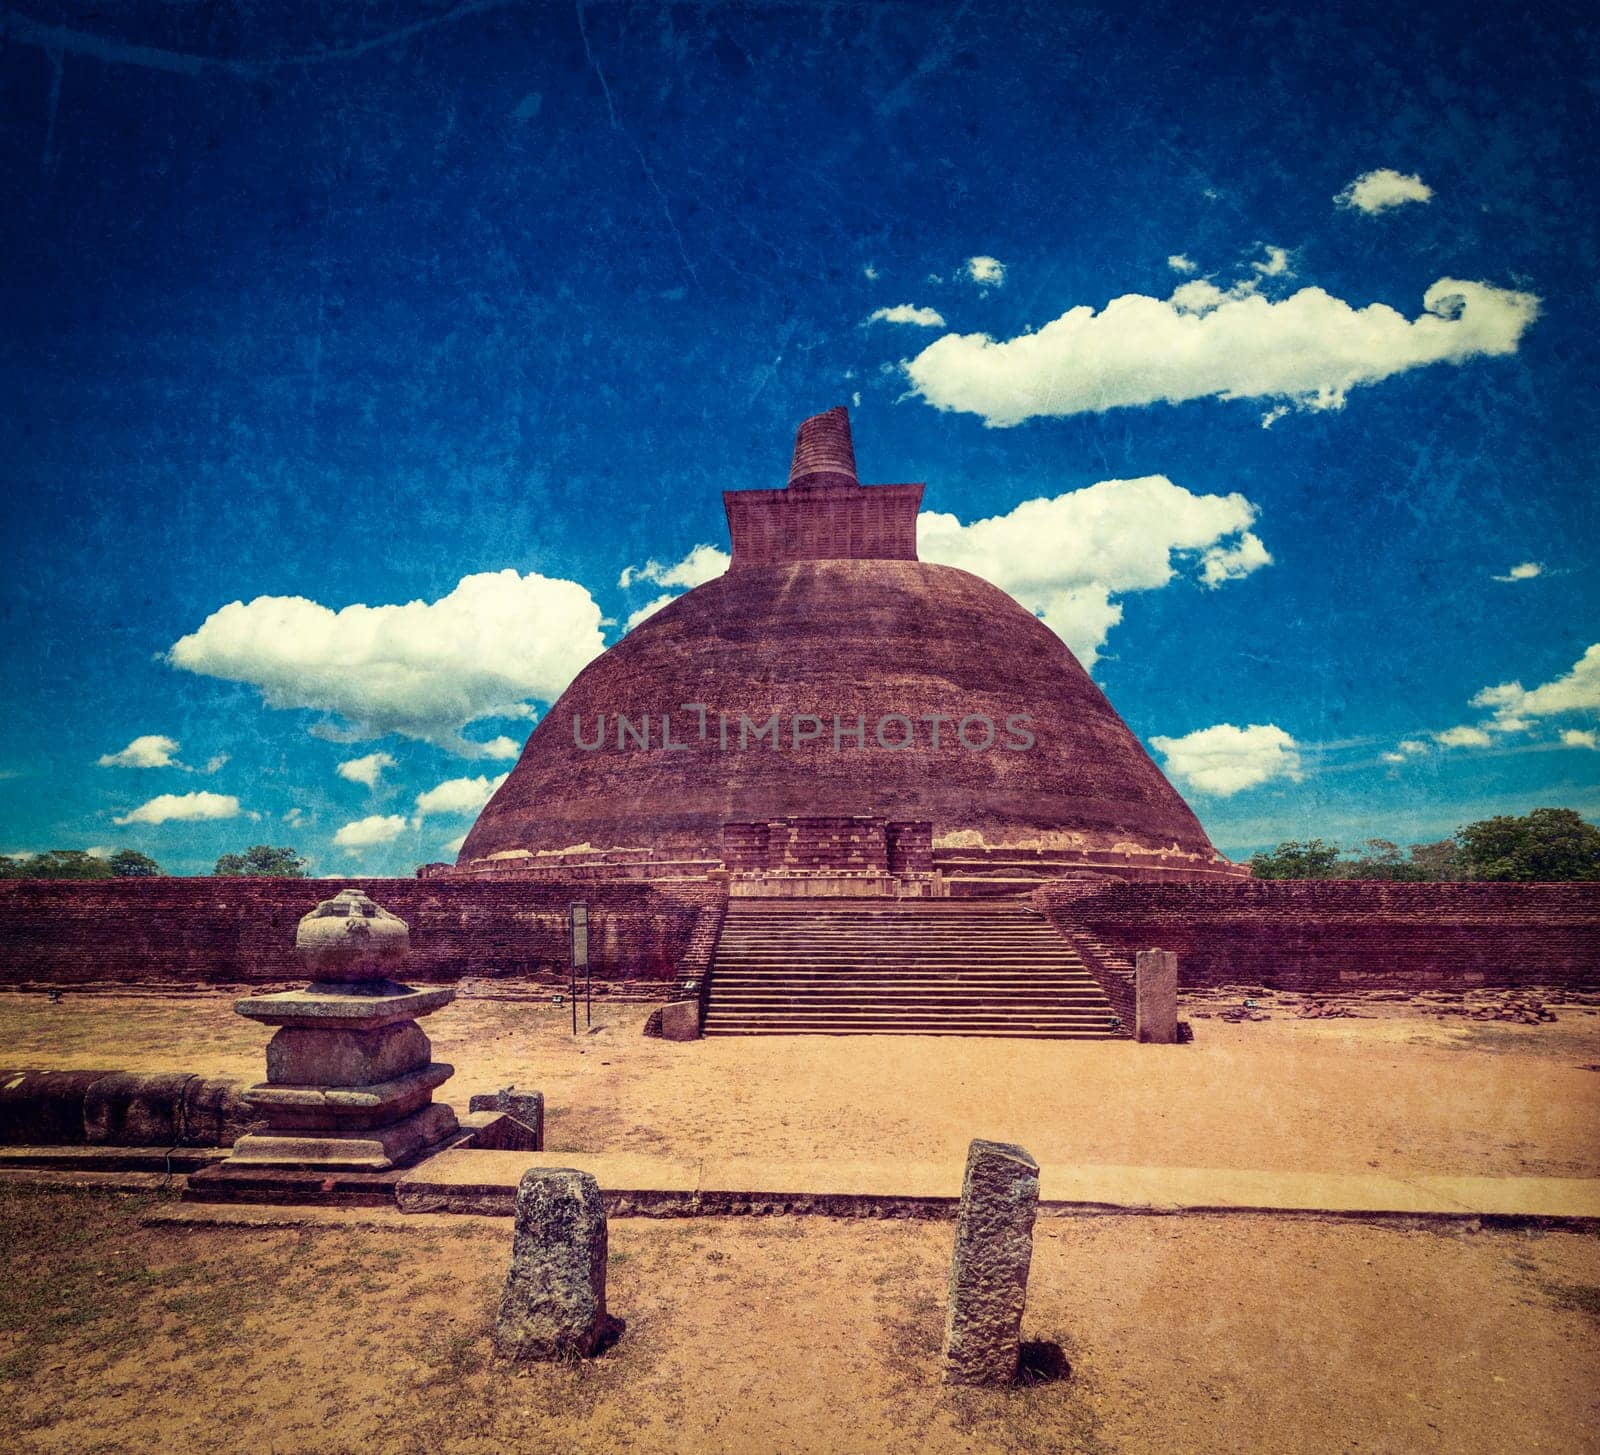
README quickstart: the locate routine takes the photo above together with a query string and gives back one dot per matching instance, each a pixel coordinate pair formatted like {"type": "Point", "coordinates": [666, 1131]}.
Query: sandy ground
{"type": "Point", "coordinates": [792, 1335]}
{"type": "Point", "coordinates": [1397, 1092]}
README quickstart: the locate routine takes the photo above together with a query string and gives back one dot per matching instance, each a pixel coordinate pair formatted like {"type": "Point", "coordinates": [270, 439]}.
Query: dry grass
{"type": "Point", "coordinates": [793, 1335]}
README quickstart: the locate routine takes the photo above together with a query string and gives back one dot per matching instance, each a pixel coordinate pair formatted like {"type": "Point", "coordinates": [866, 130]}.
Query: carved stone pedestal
{"type": "Point", "coordinates": [350, 1074]}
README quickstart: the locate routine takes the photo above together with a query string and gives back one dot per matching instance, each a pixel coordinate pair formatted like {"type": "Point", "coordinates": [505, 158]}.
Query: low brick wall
{"type": "Point", "coordinates": [209, 931]}
{"type": "Point", "coordinates": [1324, 935]}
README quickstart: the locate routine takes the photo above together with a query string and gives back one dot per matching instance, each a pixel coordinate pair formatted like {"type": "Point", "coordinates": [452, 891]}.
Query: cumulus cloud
{"type": "Point", "coordinates": [1067, 557]}
{"type": "Point", "coordinates": [908, 313]}
{"type": "Point", "coordinates": [1581, 738]}
{"type": "Point", "coordinates": [1224, 760]}
{"type": "Point", "coordinates": [985, 271]}
{"type": "Point", "coordinates": [500, 747]}
{"type": "Point", "coordinates": [869, 272]}
{"type": "Point", "coordinates": [153, 750]}
{"type": "Point", "coordinates": [216, 762]}
{"type": "Point", "coordinates": [702, 564]}
{"type": "Point", "coordinates": [458, 795]}
{"type": "Point", "coordinates": [1277, 264]}
{"type": "Point", "coordinates": [1180, 264]}
{"type": "Point", "coordinates": [1406, 748]}
{"type": "Point", "coordinates": [422, 669]}
{"type": "Point", "coordinates": [1309, 350]}
{"type": "Point", "coordinates": [649, 609]}
{"type": "Point", "coordinates": [1374, 192]}
{"type": "Point", "coordinates": [1465, 736]}
{"type": "Point", "coordinates": [367, 770]}
{"type": "Point", "coordinates": [370, 832]}
{"type": "Point", "coordinates": [182, 808]}
{"type": "Point", "coordinates": [295, 817]}
{"type": "Point", "coordinates": [1523, 571]}
{"type": "Point", "coordinates": [1575, 691]}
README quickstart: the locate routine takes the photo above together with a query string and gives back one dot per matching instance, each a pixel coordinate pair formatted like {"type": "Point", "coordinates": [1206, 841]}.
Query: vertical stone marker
{"type": "Point", "coordinates": [554, 1304]}
{"type": "Point", "coordinates": [989, 1270]}
{"type": "Point", "coordinates": [1156, 997]}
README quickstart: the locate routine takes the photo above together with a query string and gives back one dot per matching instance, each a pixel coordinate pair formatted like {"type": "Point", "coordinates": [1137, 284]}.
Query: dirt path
{"type": "Point", "coordinates": [1398, 1093]}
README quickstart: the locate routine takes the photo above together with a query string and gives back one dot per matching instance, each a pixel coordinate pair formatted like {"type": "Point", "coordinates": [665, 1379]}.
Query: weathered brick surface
{"type": "Point", "coordinates": [229, 930]}
{"type": "Point", "coordinates": [1321, 935]}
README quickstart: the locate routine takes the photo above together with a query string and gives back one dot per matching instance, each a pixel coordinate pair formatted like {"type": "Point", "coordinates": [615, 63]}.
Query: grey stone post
{"type": "Point", "coordinates": [1156, 997]}
{"type": "Point", "coordinates": [554, 1303]}
{"type": "Point", "coordinates": [989, 1270]}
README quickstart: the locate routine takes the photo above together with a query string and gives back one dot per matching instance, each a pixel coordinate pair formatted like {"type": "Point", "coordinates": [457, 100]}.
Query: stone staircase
{"type": "Point", "coordinates": [929, 967]}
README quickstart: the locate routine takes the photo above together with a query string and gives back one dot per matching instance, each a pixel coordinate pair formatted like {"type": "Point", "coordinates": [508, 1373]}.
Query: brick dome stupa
{"type": "Point", "coordinates": [827, 621]}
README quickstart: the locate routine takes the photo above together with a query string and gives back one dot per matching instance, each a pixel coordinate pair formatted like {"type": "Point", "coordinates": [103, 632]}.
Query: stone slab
{"type": "Point", "coordinates": [498, 1131]}
{"type": "Point", "coordinates": [1156, 997]}
{"type": "Point", "coordinates": [526, 1106]}
{"type": "Point", "coordinates": [376, 1149]}
{"type": "Point", "coordinates": [330, 1107]}
{"type": "Point", "coordinates": [680, 1020]}
{"type": "Point", "coordinates": [351, 1011]}
{"type": "Point", "coordinates": [339, 1056]}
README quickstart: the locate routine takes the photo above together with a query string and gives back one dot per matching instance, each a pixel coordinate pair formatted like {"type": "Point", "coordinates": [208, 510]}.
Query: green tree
{"type": "Point", "coordinates": [1383, 859]}
{"type": "Point", "coordinates": [131, 864]}
{"type": "Point", "coordinates": [59, 864]}
{"type": "Point", "coordinates": [1548, 845]}
{"type": "Point", "coordinates": [1292, 860]}
{"type": "Point", "coordinates": [265, 861]}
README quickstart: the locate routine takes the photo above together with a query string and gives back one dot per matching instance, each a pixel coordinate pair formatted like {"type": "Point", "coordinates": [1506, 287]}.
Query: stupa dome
{"type": "Point", "coordinates": [827, 621]}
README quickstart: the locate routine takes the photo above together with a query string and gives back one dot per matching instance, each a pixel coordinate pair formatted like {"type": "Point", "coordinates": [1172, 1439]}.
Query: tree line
{"type": "Point", "coordinates": [1549, 845]}
{"type": "Point", "coordinates": [259, 859]}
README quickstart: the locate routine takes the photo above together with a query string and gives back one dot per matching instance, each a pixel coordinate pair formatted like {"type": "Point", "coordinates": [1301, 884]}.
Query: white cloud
{"type": "Point", "coordinates": [367, 770]}
{"type": "Point", "coordinates": [1374, 192]}
{"type": "Point", "coordinates": [183, 808]}
{"type": "Point", "coordinates": [150, 751]}
{"type": "Point", "coordinates": [1180, 264]}
{"type": "Point", "coordinates": [985, 271]}
{"type": "Point", "coordinates": [1224, 760]}
{"type": "Point", "coordinates": [500, 747]}
{"type": "Point", "coordinates": [1523, 571]}
{"type": "Point", "coordinates": [1309, 349]}
{"type": "Point", "coordinates": [908, 313]}
{"type": "Point", "coordinates": [702, 564]}
{"type": "Point", "coordinates": [1065, 558]}
{"type": "Point", "coordinates": [216, 762]}
{"type": "Point", "coordinates": [1465, 736]}
{"type": "Point", "coordinates": [453, 846]}
{"type": "Point", "coordinates": [649, 609]}
{"type": "Point", "coordinates": [1277, 264]}
{"type": "Point", "coordinates": [422, 669]}
{"type": "Point", "coordinates": [869, 272]}
{"type": "Point", "coordinates": [458, 795]}
{"type": "Point", "coordinates": [295, 817]}
{"type": "Point", "coordinates": [368, 833]}
{"type": "Point", "coordinates": [1575, 691]}
{"type": "Point", "coordinates": [1581, 738]}
{"type": "Point", "coordinates": [1406, 748]}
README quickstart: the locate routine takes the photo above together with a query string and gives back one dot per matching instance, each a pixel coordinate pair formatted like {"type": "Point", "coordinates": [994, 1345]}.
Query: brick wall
{"type": "Point", "coordinates": [1321, 935]}
{"type": "Point", "coordinates": [232, 930]}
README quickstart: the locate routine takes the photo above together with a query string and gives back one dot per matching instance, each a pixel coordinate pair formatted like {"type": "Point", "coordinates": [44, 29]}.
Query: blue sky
{"type": "Point", "coordinates": [353, 304]}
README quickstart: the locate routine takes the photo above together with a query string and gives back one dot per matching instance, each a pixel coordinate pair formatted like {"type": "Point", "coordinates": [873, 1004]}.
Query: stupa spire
{"type": "Point", "coordinates": [823, 451]}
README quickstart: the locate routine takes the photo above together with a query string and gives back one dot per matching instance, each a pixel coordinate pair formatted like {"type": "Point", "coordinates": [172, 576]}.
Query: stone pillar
{"type": "Point", "coordinates": [1156, 997]}
{"type": "Point", "coordinates": [554, 1303]}
{"type": "Point", "coordinates": [350, 1074]}
{"type": "Point", "coordinates": [989, 1270]}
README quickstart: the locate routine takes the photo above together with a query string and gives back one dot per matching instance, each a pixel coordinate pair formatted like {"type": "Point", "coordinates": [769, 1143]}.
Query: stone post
{"type": "Point", "coordinates": [1156, 997]}
{"type": "Point", "coordinates": [554, 1303]}
{"type": "Point", "coordinates": [350, 1074]}
{"type": "Point", "coordinates": [989, 1269]}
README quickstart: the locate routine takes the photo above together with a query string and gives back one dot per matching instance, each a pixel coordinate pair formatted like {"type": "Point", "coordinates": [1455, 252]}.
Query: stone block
{"type": "Point", "coordinates": [1156, 997]}
{"type": "Point", "coordinates": [497, 1131]}
{"type": "Point", "coordinates": [373, 1149]}
{"type": "Point", "coordinates": [989, 1268]}
{"type": "Point", "coordinates": [314, 1056]}
{"type": "Point", "coordinates": [554, 1303]}
{"type": "Point", "coordinates": [132, 1109]}
{"type": "Point", "coordinates": [44, 1108]}
{"type": "Point", "coordinates": [680, 1020]}
{"type": "Point", "coordinates": [526, 1106]}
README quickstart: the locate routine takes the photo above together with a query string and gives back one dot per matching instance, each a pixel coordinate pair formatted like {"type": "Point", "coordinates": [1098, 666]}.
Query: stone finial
{"type": "Point", "coordinates": [823, 451]}
{"type": "Point", "coordinates": [989, 1268]}
{"type": "Point", "coordinates": [350, 938]}
{"type": "Point", "coordinates": [554, 1303]}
